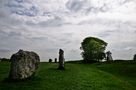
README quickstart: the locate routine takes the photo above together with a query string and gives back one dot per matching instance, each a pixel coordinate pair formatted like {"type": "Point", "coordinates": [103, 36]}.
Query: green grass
{"type": "Point", "coordinates": [99, 76]}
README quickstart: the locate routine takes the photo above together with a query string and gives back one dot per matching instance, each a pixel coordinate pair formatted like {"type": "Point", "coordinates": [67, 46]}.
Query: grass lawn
{"type": "Point", "coordinates": [119, 75]}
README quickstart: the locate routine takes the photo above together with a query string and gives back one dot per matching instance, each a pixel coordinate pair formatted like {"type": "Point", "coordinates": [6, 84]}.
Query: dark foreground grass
{"type": "Point", "coordinates": [99, 76]}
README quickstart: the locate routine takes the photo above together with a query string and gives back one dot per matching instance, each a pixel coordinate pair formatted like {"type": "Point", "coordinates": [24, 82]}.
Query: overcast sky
{"type": "Point", "coordinates": [45, 26]}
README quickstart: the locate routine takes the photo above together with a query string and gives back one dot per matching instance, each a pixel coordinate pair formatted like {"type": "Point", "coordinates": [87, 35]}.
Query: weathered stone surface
{"type": "Point", "coordinates": [61, 60]}
{"type": "Point", "coordinates": [109, 57]}
{"type": "Point", "coordinates": [23, 64]}
{"type": "Point", "coordinates": [50, 60]}
{"type": "Point", "coordinates": [134, 57]}
{"type": "Point", "coordinates": [55, 60]}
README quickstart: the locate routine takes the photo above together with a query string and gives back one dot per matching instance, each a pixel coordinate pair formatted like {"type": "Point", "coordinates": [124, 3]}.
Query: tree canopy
{"type": "Point", "coordinates": [93, 49]}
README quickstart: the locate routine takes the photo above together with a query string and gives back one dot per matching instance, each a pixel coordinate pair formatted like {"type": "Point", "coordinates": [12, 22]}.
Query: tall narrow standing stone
{"type": "Point", "coordinates": [134, 57]}
{"type": "Point", "coordinates": [61, 60]}
{"type": "Point", "coordinates": [55, 60]}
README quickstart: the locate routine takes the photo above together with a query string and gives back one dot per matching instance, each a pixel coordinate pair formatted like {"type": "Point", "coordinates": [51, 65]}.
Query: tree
{"type": "Point", "coordinates": [4, 59]}
{"type": "Point", "coordinates": [93, 49]}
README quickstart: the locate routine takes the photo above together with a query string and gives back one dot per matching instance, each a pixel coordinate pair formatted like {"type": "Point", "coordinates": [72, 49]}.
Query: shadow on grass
{"type": "Point", "coordinates": [33, 78]}
{"type": "Point", "coordinates": [56, 69]}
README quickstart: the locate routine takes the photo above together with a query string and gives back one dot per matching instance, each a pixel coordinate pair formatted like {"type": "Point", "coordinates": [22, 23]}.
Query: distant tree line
{"type": "Point", "coordinates": [4, 59]}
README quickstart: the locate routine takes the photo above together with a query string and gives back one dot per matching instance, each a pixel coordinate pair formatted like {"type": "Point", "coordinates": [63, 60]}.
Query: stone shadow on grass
{"type": "Point", "coordinates": [32, 78]}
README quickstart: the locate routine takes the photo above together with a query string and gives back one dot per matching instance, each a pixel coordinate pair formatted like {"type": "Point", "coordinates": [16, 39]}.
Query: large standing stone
{"type": "Point", "coordinates": [61, 60]}
{"type": "Point", "coordinates": [23, 65]}
{"type": "Point", "coordinates": [134, 57]}
{"type": "Point", "coordinates": [109, 57]}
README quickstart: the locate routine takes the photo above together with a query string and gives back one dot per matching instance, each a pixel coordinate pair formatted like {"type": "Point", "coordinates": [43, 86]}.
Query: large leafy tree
{"type": "Point", "coordinates": [93, 49]}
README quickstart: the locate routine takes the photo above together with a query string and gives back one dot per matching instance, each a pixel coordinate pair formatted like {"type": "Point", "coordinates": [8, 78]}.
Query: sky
{"type": "Point", "coordinates": [45, 26]}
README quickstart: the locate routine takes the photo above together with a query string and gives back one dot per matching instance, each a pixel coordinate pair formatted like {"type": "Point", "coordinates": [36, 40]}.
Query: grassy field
{"type": "Point", "coordinates": [119, 75]}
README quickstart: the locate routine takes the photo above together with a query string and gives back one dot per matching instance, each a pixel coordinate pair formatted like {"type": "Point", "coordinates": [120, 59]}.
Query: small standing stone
{"type": "Point", "coordinates": [61, 60]}
{"type": "Point", "coordinates": [23, 65]}
{"type": "Point", "coordinates": [109, 57]}
{"type": "Point", "coordinates": [134, 57]}
{"type": "Point", "coordinates": [55, 60]}
{"type": "Point", "coordinates": [50, 60]}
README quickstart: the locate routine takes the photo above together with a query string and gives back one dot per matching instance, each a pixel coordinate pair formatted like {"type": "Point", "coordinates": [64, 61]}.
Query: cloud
{"type": "Point", "coordinates": [45, 26]}
{"type": "Point", "coordinates": [4, 50]}
{"type": "Point", "coordinates": [77, 5]}
{"type": "Point", "coordinates": [5, 53]}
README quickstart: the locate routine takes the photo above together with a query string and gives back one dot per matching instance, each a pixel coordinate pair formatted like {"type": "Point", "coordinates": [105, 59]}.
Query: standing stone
{"type": "Point", "coordinates": [55, 60]}
{"type": "Point", "coordinates": [61, 60]}
{"type": "Point", "coordinates": [50, 60]}
{"type": "Point", "coordinates": [23, 65]}
{"type": "Point", "coordinates": [134, 57]}
{"type": "Point", "coordinates": [109, 57]}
